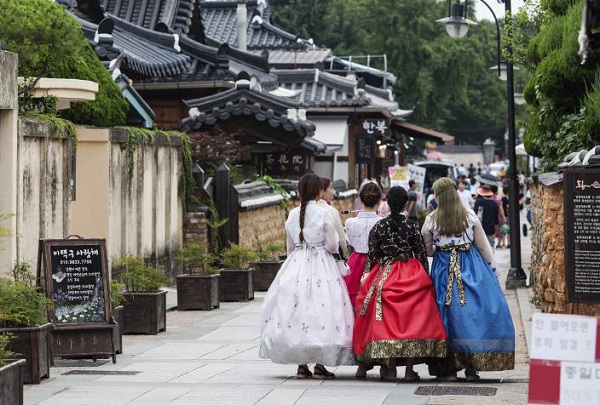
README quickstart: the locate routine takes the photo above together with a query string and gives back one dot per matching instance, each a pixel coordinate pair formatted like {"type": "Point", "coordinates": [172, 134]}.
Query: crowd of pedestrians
{"type": "Point", "coordinates": [391, 309]}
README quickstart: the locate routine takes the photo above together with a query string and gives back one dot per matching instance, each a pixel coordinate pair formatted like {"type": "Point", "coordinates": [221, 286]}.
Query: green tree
{"type": "Point", "coordinates": [563, 96]}
{"type": "Point", "coordinates": [446, 82]}
{"type": "Point", "coordinates": [50, 44]}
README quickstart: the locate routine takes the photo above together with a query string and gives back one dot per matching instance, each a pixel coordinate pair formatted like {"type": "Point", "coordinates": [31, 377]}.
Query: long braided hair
{"type": "Point", "coordinates": [309, 188]}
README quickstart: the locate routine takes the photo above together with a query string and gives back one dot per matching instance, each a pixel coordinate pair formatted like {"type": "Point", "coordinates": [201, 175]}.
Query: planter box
{"type": "Point", "coordinates": [117, 314]}
{"type": "Point", "coordinates": [144, 312]}
{"type": "Point", "coordinates": [197, 292]}
{"type": "Point", "coordinates": [92, 341]}
{"type": "Point", "coordinates": [237, 284]}
{"type": "Point", "coordinates": [33, 344]}
{"type": "Point", "coordinates": [11, 383]}
{"type": "Point", "coordinates": [265, 273]}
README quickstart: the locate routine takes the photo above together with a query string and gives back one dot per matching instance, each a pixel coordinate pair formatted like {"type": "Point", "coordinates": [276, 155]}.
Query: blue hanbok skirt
{"type": "Point", "coordinates": [478, 323]}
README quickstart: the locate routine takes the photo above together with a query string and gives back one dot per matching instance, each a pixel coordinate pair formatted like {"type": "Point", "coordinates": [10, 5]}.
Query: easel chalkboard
{"type": "Point", "coordinates": [75, 277]}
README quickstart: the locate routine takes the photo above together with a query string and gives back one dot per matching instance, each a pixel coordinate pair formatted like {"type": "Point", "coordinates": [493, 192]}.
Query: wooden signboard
{"type": "Point", "coordinates": [582, 234]}
{"type": "Point", "coordinates": [365, 149]}
{"type": "Point", "coordinates": [77, 280]}
{"type": "Point", "coordinates": [75, 277]}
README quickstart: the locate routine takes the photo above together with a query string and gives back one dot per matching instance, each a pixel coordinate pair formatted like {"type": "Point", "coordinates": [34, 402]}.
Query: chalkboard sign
{"type": "Point", "coordinates": [285, 163]}
{"type": "Point", "coordinates": [582, 234]}
{"type": "Point", "coordinates": [76, 280]}
{"type": "Point", "coordinates": [365, 151]}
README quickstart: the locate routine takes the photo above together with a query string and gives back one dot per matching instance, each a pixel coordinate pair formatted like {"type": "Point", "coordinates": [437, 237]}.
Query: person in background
{"type": "Point", "coordinates": [295, 328]}
{"type": "Point", "coordinates": [504, 229]}
{"type": "Point", "coordinates": [501, 215]}
{"type": "Point", "coordinates": [397, 320]}
{"type": "Point", "coordinates": [488, 213]}
{"type": "Point", "coordinates": [325, 203]}
{"type": "Point", "coordinates": [411, 209]}
{"type": "Point", "coordinates": [481, 334]}
{"type": "Point", "coordinates": [357, 235]}
{"type": "Point", "coordinates": [465, 195]}
{"type": "Point", "coordinates": [474, 186]}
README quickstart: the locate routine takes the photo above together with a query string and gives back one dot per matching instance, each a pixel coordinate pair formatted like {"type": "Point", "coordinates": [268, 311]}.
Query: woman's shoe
{"type": "Point", "coordinates": [448, 377]}
{"type": "Point", "coordinates": [361, 373]}
{"type": "Point", "coordinates": [321, 372]}
{"type": "Point", "coordinates": [471, 375]}
{"type": "Point", "coordinates": [387, 373]}
{"type": "Point", "coordinates": [411, 377]}
{"type": "Point", "coordinates": [303, 372]}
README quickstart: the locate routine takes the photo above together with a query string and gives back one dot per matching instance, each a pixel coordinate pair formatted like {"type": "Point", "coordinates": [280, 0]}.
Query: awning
{"type": "Point", "coordinates": [424, 133]}
{"type": "Point", "coordinates": [333, 132]}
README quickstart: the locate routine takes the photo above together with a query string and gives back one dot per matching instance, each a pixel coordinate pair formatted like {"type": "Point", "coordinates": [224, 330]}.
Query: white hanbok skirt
{"type": "Point", "coordinates": [307, 316]}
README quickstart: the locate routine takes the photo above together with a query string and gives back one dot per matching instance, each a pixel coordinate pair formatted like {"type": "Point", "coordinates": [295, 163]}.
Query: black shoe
{"type": "Point", "coordinates": [471, 375]}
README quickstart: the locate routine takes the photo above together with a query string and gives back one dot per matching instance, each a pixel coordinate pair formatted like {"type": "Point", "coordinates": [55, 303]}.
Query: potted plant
{"type": "Point", "coordinates": [23, 314]}
{"type": "Point", "coordinates": [237, 276]}
{"type": "Point", "coordinates": [11, 375]}
{"type": "Point", "coordinates": [267, 265]}
{"type": "Point", "coordinates": [116, 303]}
{"type": "Point", "coordinates": [198, 286]}
{"type": "Point", "coordinates": [144, 305]}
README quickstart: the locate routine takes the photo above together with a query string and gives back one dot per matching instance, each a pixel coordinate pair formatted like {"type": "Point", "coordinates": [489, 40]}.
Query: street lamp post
{"type": "Point", "coordinates": [457, 19]}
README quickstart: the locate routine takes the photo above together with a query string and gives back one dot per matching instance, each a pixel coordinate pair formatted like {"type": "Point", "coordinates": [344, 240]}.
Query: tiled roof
{"type": "Point", "coordinates": [144, 52]}
{"type": "Point", "coordinates": [315, 88]}
{"type": "Point", "coordinates": [175, 14]}
{"type": "Point", "coordinates": [295, 58]}
{"type": "Point", "coordinates": [220, 23]}
{"type": "Point", "coordinates": [242, 100]}
{"type": "Point", "coordinates": [372, 76]}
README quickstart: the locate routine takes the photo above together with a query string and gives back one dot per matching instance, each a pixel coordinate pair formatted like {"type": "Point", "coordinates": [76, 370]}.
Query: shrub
{"type": "Point", "coordinates": [238, 257]}
{"type": "Point", "coordinates": [197, 259]}
{"type": "Point", "coordinates": [139, 276]}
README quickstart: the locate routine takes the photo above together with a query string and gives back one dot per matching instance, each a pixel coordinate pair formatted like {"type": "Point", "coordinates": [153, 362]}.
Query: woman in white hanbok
{"type": "Point", "coordinates": [307, 316]}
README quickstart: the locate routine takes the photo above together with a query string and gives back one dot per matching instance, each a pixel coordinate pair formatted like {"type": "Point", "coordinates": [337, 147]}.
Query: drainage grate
{"type": "Point", "coordinates": [437, 390]}
{"type": "Point", "coordinates": [102, 372]}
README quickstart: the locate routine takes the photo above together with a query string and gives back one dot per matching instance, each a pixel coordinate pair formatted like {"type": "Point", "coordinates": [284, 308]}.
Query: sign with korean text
{"type": "Point", "coordinates": [565, 359]}
{"type": "Point", "coordinates": [582, 234]}
{"type": "Point", "coordinates": [579, 383]}
{"type": "Point", "coordinates": [285, 163]}
{"type": "Point", "coordinates": [399, 176]}
{"type": "Point", "coordinates": [377, 127]}
{"type": "Point", "coordinates": [76, 280]}
{"type": "Point", "coordinates": [563, 337]}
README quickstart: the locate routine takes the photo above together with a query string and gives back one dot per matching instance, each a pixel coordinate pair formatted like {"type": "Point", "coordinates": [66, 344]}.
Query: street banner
{"type": "Point", "coordinates": [399, 176]}
{"type": "Point", "coordinates": [417, 173]}
{"type": "Point", "coordinates": [565, 359]}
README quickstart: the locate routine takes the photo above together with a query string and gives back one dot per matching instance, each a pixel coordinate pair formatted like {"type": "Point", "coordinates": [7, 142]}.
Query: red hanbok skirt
{"type": "Point", "coordinates": [356, 262]}
{"type": "Point", "coordinates": [397, 315]}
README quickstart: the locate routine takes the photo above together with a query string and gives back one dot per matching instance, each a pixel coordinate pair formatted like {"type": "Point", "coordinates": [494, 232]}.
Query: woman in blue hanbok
{"type": "Point", "coordinates": [481, 335]}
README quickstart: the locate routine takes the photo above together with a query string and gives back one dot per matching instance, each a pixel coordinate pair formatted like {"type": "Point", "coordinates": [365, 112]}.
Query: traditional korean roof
{"type": "Point", "coordinates": [313, 88]}
{"type": "Point", "coordinates": [262, 107]}
{"type": "Point", "coordinates": [373, 77]}
{"type": "Point", "coordinates": [220, 23]}
{"type": "Point", "coordinates": [149, 14]}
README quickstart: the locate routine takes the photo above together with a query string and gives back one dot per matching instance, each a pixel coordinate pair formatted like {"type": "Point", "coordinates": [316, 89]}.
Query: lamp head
{"type": "Point", "coordinates": [457, 25]}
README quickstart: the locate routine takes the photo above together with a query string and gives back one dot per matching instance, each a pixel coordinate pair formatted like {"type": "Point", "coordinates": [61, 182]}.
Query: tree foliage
{"type": "Point", "coordinates": [563, 96]}
{"type": "Point", "coordinates": [50, 44]}
{"type": "Point", "coordinates": [446, 82]}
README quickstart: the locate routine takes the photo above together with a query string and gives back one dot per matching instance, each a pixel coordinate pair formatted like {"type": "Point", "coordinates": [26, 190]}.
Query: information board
{"type": "Point", "coordinates": [582, 234]}
{"type": "Point", "coordinates": [365, 151]}
{"type": "Point", "coordinates": [75, 276]}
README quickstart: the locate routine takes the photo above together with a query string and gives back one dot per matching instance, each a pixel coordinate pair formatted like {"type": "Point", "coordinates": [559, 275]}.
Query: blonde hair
{"type": "Point", "coordinates": [451, 215]}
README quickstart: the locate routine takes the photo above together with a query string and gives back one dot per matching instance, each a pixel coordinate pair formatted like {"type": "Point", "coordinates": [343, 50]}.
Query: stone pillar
{"type": "Point", "coordinates": [8, 157]}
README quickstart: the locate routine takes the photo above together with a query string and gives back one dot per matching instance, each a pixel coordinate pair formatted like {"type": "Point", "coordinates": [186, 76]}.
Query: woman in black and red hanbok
{"type": "Point", "coordinates": [397, 319]}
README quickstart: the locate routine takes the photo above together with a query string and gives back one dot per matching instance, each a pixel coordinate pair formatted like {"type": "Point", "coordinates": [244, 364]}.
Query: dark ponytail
{"type": "Point", "coordinates": [302, 212]}
{"type": "Point", "coordinates": [309, 188]}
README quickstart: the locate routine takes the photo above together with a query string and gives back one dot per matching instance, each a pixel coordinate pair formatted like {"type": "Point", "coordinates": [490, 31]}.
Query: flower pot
{"type": "Point", "coordinates": [144, 312]}
{"type": "Point", "coordinates": [197, 292]}
{"type": "Point", "coordinates": [33, 344]}
{"type": "Point", "coordinates": [11, 383]}
{"type": "Point", "coordinates": [236, 285]}
{"type": "Point", "coordinates": [264, 274]}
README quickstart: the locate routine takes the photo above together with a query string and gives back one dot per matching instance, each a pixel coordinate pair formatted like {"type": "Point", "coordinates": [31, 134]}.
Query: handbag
{"type": "Point", "coordinates": [343, 267]}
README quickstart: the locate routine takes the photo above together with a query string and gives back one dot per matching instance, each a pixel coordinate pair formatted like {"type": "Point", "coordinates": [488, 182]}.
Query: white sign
{"type": "Point", "coordinates": [417, 173]}
{"type": "Point", "coordinates": [563, 337]}
{"type": "Point", "coordinates": [579, 383]}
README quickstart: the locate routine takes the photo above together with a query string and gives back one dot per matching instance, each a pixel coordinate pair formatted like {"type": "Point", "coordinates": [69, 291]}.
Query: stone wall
{"type": "Point", "coordinates": [267, 223]}
{"type": "Point", "coordinates": [548, 249]}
